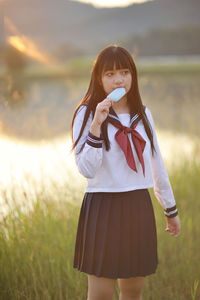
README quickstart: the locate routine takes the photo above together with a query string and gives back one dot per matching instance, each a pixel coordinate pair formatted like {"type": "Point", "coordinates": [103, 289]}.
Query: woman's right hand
{"type": "Point", "coordinates": [102, 111]}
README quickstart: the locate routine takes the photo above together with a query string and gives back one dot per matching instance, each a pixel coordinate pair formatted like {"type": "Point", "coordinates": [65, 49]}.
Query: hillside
{"type": "Point", "coordinates": [53, 24]}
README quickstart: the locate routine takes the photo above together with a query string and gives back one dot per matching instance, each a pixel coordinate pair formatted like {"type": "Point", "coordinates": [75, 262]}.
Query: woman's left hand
{"type": "Point", "coordinates": [173, 226]}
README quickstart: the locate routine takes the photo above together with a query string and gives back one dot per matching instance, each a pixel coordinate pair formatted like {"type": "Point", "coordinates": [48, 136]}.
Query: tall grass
{"type": "Point", "coordinates": [37, 246]}
{"type": "Point", "coordinates": [179, 258]}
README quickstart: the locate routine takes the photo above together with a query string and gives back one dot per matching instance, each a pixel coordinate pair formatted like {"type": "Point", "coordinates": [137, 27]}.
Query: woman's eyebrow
{"type": "Point", "coordinates": [108, 71]}
{"type": "Point", "coordinates": [113, 70]}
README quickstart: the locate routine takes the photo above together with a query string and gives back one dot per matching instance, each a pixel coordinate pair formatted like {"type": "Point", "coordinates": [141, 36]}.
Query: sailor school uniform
{"type": "Point", "coordinates": [129, 163]}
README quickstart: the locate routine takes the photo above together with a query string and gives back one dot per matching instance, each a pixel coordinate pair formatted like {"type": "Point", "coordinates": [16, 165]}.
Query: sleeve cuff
{"type": "Point", "coordinates": [94, 141]}
{"type": "Point", "coordinates": [171, 212]}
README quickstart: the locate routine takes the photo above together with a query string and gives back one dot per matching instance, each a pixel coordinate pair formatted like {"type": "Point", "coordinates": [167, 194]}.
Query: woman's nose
{"type": "Point", "coordinates": [118, 78]}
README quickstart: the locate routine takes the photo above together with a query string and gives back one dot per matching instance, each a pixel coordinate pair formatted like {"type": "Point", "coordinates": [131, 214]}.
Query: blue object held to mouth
{"type": "Point", "coordinates": [117, 94]}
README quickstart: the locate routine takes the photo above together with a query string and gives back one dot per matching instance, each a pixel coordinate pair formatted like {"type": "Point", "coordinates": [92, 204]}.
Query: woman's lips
{"type": "Point", "coordinates": [118, 87]}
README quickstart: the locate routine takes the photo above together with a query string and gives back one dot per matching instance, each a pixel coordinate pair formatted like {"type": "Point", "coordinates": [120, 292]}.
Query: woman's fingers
{"type": "Point", "coordinates": [108, 102]}
{"type": "Point", "coordinates": [105, 104]}
{"type": "Point", "coordinates": [173, 226]}
{"type": "Point", "coordinates": [173, 230]}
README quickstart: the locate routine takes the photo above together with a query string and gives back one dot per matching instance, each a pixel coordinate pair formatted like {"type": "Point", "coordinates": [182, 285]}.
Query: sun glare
{"type": "Point", "coordinates": [40, 161]}
{"type": "Point", "coordinates": [24, 44]}
{"type": "Point", "coordinates": [29, 168]}
{"type": "Point", "coordinates": [112, 3]}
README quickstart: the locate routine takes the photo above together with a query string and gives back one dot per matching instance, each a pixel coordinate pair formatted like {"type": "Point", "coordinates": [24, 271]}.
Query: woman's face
{"type": "Point", "coordinates": [116, 78]}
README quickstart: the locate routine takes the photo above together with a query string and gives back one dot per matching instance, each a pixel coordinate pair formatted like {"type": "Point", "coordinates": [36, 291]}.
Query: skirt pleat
{"type": "Point", "coordinates": [116, 235]}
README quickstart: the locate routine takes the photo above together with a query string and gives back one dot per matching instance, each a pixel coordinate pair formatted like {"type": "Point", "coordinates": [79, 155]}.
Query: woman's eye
{"type": "Point", "coordinates": [125, 72]}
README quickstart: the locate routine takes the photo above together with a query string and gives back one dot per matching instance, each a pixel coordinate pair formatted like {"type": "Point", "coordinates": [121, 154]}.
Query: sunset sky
{"type": "Point", "coordinates": [112, 3]}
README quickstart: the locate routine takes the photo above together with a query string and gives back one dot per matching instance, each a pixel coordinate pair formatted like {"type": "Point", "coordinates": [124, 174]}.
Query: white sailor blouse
{"type": "Point", "coordinates": [115, 171]}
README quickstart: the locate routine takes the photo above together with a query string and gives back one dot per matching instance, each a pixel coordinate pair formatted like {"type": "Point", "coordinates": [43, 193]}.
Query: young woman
{"type": "Point", "coordinates": [116, 149]}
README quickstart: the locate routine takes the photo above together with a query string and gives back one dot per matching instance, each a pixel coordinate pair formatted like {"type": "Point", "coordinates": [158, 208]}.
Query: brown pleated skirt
{"type": "Point", "coordinates": [116, 235]}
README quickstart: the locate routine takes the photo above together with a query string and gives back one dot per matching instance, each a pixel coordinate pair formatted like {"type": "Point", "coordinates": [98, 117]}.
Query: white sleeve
{"type": "Point", "coordinates": [162, 186]}
{"type": "Point", "coordinates": [89, 159]}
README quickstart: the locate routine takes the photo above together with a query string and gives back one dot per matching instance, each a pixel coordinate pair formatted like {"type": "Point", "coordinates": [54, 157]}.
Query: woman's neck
{"type": "Point", "coordinates": [121, 106]}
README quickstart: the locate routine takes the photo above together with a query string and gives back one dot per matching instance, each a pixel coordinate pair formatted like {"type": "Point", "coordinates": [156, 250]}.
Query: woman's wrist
{"type": "Point", "coordinates": [172, 217]}
{"type": "Point", "coordinates": [171, 212]}
{"type": "Point", "coordinates": [95, 128]}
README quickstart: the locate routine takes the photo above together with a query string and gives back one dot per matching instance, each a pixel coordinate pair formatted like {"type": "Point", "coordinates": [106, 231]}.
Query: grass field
{"type": "Point", "coordinates": [36, 246]}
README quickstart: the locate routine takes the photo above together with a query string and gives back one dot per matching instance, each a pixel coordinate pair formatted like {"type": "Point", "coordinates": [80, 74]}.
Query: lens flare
{"type": "Point", "coordinates": [25, 44]}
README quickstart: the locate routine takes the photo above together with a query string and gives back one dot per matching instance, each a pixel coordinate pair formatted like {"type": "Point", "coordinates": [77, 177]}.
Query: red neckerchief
{"type": "Point", "coordinates": [122, 138]}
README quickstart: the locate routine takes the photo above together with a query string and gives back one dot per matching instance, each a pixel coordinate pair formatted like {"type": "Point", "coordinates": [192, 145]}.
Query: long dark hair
{"type": "Point", "coordinates": [105, 60]}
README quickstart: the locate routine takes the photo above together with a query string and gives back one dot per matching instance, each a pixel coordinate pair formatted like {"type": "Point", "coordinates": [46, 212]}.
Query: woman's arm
{"type": "Point", "coordinates": [90, 158]}
{"type": "Point", "coordinates": [162, 186]}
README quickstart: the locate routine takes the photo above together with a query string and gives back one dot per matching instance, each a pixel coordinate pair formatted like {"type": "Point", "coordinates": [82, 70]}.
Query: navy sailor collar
{"type": "Point", "coordinates": [134, 117]}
